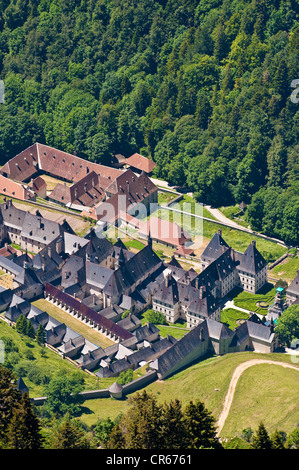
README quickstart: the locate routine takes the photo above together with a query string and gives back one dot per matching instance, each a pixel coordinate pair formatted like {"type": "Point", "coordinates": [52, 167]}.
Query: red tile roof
{"type": "Point", "coordinates": [163, 230]}
{"type": "Point", "coordinates": [55, 162]}
{"type": "Point", "coordinates": [37, 184]}
{"type": "Point", "coordinates": [12, 189]}
{"type": "Point", "coordinates": [8, 250]}
{"type": "Point", "coordinates": [183, 251]}
{"type": "Point", "coordinates": [141, 163]}
{"type": "Point", "coordinates": [85, 192]}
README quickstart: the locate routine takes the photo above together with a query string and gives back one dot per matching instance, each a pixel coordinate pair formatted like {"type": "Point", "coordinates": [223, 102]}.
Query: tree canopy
{"type": "Point", "coordinates": [106, 77]}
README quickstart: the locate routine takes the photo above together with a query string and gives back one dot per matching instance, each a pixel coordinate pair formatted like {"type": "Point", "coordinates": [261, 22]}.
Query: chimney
{"type": "Point", "coordinates": [253, 243]}
{"type": "Point", "coordinates": [50, 251]}
{"type": "Point", "coordinates": [201, 292]}
{"type": "Point", "coordinates": [167, 280]}
{"type": "Point", "coordinates": [201, 334]}
{"type": "Point", "coordinates": [219, 232]}
{"type": "Point", "coordinates": [196, 283]}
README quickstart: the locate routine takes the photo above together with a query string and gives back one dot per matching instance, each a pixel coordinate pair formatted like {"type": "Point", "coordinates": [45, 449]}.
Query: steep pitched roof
{"type": "Point", "coordinates": [218, 269]}
{"type": "Point", "coordinates": [174, 262]}
{"type": "Point", "coordinates": [140, 162]}
{"type": "Point", "coordinates": [168, 292]}
{"type": "Point", "coordinates": [251, 261]}
{"type": "Point", "coordinates": [56, 162]}
{"type": "Point", "coordinates": [134, 270]}
{"type": "Point", "coordinates": [216, 247]}
{"type": "Point", "coordinates": [177, 354]}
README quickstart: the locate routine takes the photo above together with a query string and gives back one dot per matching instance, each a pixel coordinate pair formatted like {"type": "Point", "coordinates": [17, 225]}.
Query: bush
{"type": "Point", "coordinates": [125, 377]}
{"type": "Point", "coordinates": [29, 355]}
{"type": "Point", "coordinates": [9, 345]}
{"type": "Point", "coordinates": [157, 318]}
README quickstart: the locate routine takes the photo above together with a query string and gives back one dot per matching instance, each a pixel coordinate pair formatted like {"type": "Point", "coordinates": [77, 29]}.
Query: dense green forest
{"type": "Point", "coordinates": [202, 87]}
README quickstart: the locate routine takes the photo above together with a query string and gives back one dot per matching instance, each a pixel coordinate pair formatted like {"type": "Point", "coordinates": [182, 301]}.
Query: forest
{"type": "Point", "coordinates": [202, 87]}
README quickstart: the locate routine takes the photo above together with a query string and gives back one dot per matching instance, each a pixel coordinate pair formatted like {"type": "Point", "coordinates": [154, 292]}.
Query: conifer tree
{"type": "Point", "coordinates": [277, 441]}
{"type": "Point", "coordinates": [142, 424]}
{"type": "Point", "coordinates": [40, 334]}
{"type": "Point", "coordinates": [9, 398]}
{"type": "Point", "coordinates": [24, 430]}
{"type": "Point", "coordinates": [69, 435]}
{"type": "Point", "coordinates": [21, 325]}
{"type": "Point", "coordinates": [173, 433]}
{"type": "Point", "coordinates": [261, 439]}
{"type": "Point", "coordinates": [30, 330]}
{"type": "Point", "coordinates": [200, 427]}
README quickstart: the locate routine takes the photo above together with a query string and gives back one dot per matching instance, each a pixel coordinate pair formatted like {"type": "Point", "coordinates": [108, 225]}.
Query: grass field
{"type": "Point", "coordinates": [230, 317]}
{"type": "Point", "coordinates": [265, 392]}
{"type": "Point", "coordinates": [249, 301]}
{"type": "Point", "coordinates": [286, 270]}
{"type": "Point", "coordinates": [276, 399]}
{"type": "Point", "coordinates": [89, 333]}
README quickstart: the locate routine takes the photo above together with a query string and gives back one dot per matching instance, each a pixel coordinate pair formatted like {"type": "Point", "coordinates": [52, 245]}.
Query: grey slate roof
{"type": "Point", "coordinates": [254, 331]}
{"type": "Point", "coordinates": [218, 269]}
{"type": "Point", "coordinates": [96, 275]}
{"type": "Point", "coordinates": [180, 350]}
{"type": "Point", "coordinates": [168, 291]}
{"type": "Point", "coordinates": [73, 243]}
{"type": "Point", "coordinates": [133, 271]}
{"type": "Point", "coordinates": [216, 247]}
{"type": "Point", "coordinates": [10, 266]}
{"type": "Point", "coordinates": [294, 286]}
{"type": "Point", "coordinates": [251, 261]}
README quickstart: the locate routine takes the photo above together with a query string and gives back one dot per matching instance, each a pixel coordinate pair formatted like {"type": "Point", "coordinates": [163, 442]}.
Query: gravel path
{"type": "Point", "coordinates": [233, 383]}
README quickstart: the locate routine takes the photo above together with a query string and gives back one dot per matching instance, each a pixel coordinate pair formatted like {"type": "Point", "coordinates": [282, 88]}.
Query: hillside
{"type": "Point", "coordinates": [200, 86]}
{"type": "Point", "coordinates": [264, 392]}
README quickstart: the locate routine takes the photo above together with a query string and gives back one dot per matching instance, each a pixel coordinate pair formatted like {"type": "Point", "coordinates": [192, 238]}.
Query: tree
{"type": "Point", "coordinates": [141, 425]}
{"type": "Point", "coordinates": [30, 330]}
{"type": "Point", "coordinates": [40, 335]}
{"type": "Point", "coordinates": [63, 395]}
{"type": "Point", "coordinates": [10, 397]}
{"type": "Point", "coordinates": [21, 325]}
{"type": "Point", "coordinates": [173, 432]}
{"type": "Point", "coordinates": [261, 439]}
{"type": "Point", "coordinates": [287, 327]}
{"type": "Point", "coordinates": [277, 440]}
{"type": "Point", "coordinates": [102, 431]}
{"type": "Point", "coordinates": [293, 439]}
{"type": "Point", "coordinates": [200, 427]}
{"type": "Point", "coordinates": [69, 434]}
{"type": "Point", "coordinates": [24, 429]}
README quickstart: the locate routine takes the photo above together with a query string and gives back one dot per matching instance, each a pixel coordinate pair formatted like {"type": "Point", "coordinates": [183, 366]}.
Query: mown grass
{"type": "Point", "coordinates": [249, 301]}
{"type": "Point", "coordinates": [200, 381]}
{"type": "Point", "coordinates": [267, 393]}
{"type": "Point", "coordinates": [230, 317]}
{"type": "Point", "coordinates": [73, 323]}
{"type": "Point", "coordinates": [286, 270]}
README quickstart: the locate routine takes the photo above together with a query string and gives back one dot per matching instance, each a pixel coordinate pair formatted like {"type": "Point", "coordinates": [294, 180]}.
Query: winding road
{"type": "Point", "coordinates": [233, 383]}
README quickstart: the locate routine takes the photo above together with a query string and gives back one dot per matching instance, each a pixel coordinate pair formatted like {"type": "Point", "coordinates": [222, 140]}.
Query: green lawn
{"type": "Point", "coordinates": [249, 301]}
{"type": "Point", "coordinates": [76, 325]}
{"type": "Point", "coordinates": [165, 197]}
{"type": "Point", "coordinates": [265, 393]}
{"type": "Point", "coordinates": [231, 211]}
{"type": "Point", "coordinates": [230, 317]}
{"type": "Point", "coordinates": [276, 399]}
{"type": "Point", "coordinates": [237, 239]}
{"type": "Point", "coordinates": [286, 270]}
